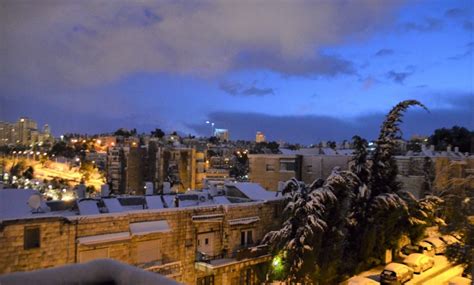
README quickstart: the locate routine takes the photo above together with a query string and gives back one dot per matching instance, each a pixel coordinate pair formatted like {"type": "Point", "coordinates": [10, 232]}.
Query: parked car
{"type": "Point", "coordinates": [427, 247]}
{"type": "Point", "coordinates": [419, 262]}
{"type": "Point", "coordinates": [396, 273]}
{"type": "Point", "coordinates": [359, 280]}
{"type": "Point", "coordinates": [438, 244]}
{"type": "Point", "coordinates": [421, 247]}
{"type": "Point", "coordinates": [459, 281]}
{"type": "Point", "coordinates": [448, 239]}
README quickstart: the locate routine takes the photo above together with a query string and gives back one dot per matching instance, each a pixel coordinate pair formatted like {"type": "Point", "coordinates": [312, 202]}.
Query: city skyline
{"type": "Point", "coordinates": [95, 67]}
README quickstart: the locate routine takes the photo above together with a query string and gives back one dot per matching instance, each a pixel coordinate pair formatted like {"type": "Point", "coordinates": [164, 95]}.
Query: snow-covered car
{"type": "Point", "coordinates": [427, 248]}
{"type": "Point", "coordinates": [448, 239]}
{"type": "Point", "coordinates": [438, 244]}
{"type": "Point", "coordinates": [419, 262]}
{"type": "Point", "coordinates": [396, 273]}
{"type": "Point", "coordinates": [359, 280]}
{"type": "Point", "coordinates": [421, 247]}
{"type": "Point", "coordinates": [459, 280]}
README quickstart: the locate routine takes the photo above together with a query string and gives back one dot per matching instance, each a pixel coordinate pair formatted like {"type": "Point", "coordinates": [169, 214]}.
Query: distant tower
{"type": "Point", "coordinates": [260, 137]}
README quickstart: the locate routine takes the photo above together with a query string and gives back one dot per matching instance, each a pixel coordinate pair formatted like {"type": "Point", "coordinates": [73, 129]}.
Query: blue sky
{"type": "Point", "coordinates": [300, 71]}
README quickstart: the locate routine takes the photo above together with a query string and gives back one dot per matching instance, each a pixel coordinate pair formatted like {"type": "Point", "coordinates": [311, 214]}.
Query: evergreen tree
{"type": "Point", "coordinates": [384, 169]}
{"type": "Point", "coordinates": [359, 160]}
{"type": "Point", "coordinates": [303, 224]}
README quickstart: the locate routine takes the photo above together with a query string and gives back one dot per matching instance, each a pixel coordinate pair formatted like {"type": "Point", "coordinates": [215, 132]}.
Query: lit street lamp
{"type": "Point", "coordinates": [212, 127]}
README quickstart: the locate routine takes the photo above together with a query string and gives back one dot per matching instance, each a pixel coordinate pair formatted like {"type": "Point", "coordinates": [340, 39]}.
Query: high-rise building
{"type": "Point", "coordinates": [27, 131]}
{"type": "Point", "coordinates": [222, 134]}
{"type": "Point", "coordinates": [260, 137]}
{"type": "Point", "coordinates": [24, 132]}
{"type": "Point", "coordinates": [7, 133]}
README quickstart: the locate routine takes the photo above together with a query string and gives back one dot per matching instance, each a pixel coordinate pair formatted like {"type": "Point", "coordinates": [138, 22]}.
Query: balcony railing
{"type": "Point", "coordinates": [242, 253]}
{"type": "Point", "coordinates": [170, 269]}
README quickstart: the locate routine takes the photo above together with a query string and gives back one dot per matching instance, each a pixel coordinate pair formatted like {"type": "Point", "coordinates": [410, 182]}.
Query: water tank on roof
{"type": "Point", "coordinates": [148, 188]}
{"type": "Point", "coordinates": [81, 191]}
{"type": "Point", "coordinates": [166, 188]}
{"type": "Point", "coordinates": [104, 190]}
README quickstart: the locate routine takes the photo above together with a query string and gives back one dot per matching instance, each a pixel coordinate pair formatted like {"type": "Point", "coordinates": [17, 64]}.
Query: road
{"type": "Point", "coordinates": [439, 274]}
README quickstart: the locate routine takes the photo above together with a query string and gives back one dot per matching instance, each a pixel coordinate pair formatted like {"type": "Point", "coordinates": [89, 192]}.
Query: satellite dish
{"type": "Point", "coordinates": [34, 202]}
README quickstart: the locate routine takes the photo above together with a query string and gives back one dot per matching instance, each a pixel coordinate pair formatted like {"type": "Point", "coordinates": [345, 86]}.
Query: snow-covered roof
{"type": "Point", "coordinates": [244, 221]}
{"type": "Point", "coordinates": [103, 238]}
{"type": "Point", "coordinates": [154, 202]}
{"type": "Point", "coordinates": [222, 200]}
{"type": "Point", "coordinates": [169, 200]}
{"type": "Point", "coordinates": [88, 207]}
{"type": "Point", "coordinates": [13, 203]}
{"type": "Point", "coordinates": [208, 218]}
{"type": "Point", "coordinates": [144, 228]}
{"type": "Point", "coordinates": [113, 205]}
{"type": "Point", "coordinates": [254, 191]}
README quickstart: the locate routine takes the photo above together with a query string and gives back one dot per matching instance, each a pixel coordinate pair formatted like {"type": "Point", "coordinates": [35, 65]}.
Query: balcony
{"type": "Point", "coordinates": [171, 269]}
{"type": "Point", "coordinates": [223, 262]}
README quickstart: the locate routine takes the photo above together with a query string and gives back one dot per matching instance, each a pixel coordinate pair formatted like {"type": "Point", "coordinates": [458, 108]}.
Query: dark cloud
{"type": "Point", "coordinates": [322, 65]}
{"type": "Point", "coordinates": [310, 129]}
{"type": "Point", "coordinates": [428, 25]}
{"type": "Point", "coordinates": [384, 52]}
{"type": "Point", "coordinates": [258, 91]}
{"type": "Point", "coordinates": [92, 43]}
{"type": "Point", "coordinates": [398, 77]}
{"type": "Point", "coordinates": [232, 88]}
{"type": "Point", "coordinates": [235, 89]}
{"type": "Point", "coordinates": [455, 13]}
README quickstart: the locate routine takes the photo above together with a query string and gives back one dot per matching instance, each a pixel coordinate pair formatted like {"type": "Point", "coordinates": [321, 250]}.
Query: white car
{"type": "Point", "coordinates": [396, 273]}
{"type": "Point", "coordinates": [419, 262]}
{"type": "Point", "coordinates": [438, 244]}
{"type": "Point", "coordinates": [359, 280]}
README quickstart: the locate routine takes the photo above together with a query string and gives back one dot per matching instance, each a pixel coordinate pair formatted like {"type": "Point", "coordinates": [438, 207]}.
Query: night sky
{"type": "Point", "coordinates": [304, 72]}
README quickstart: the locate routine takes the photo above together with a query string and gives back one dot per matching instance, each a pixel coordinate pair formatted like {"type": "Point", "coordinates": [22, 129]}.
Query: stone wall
{"type": "Point", "coordinates": [59, 236]}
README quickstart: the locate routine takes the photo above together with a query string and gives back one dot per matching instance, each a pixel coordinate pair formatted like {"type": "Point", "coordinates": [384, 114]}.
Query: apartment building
{"type": "Point", "coordinates": [270, 169]}
{"type": "Point", "coordinates": [213, 241]}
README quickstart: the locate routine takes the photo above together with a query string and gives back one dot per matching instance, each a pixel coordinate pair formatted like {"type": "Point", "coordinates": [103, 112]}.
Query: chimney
{"type": "Point", "coordinates": [104, 190]}
{"type": "Point", "coordinates": [432, 147]}
{"type": "Point", "coordinates": [423, 147]}
{"type": "Point", "coordinates": [456, 149]}
{"type": "Point", "coordinates": [448, 149]}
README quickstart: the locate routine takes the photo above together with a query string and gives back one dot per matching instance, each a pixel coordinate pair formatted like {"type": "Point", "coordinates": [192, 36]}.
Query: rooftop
{"type": "Point", "coordinates": [14, 202]}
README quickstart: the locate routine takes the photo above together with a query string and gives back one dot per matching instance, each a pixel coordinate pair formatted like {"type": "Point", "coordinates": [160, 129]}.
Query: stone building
{"type": "Point", "coordinates": [270, 169]}
{"type": "Point", "coordinates": [214, 243]}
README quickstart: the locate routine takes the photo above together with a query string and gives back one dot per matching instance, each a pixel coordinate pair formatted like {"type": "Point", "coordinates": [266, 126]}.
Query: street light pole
{"type": "Point", "coordinates": [212, 127]}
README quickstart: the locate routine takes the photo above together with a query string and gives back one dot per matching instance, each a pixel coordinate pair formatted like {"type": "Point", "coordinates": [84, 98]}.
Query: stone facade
{"type": "Point", "coordinates": [63, 240]}
{"type": "Point", "coordinates": [270, 169]}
